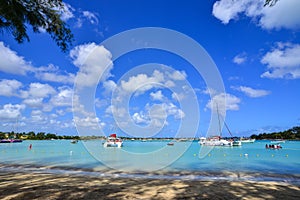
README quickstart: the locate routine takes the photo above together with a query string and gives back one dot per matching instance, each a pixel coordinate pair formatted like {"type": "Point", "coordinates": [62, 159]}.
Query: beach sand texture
{"type": "Point", "coordinates": [16, 185]}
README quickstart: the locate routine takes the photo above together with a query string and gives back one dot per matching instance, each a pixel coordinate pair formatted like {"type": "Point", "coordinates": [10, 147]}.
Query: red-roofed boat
{"type": "Point", "coordinates": [113, 141]}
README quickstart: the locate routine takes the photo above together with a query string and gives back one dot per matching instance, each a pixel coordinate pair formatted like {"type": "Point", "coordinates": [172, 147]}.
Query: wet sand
{"type": "Point", "coordinates": [30, 185]}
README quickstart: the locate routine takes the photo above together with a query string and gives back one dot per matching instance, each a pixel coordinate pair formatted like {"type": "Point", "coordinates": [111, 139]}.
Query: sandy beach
{"type": "Point", "coordinates": [27, 185]}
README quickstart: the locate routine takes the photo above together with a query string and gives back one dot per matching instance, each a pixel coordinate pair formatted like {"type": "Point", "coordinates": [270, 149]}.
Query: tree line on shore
{"type": "Point", "coordinates": [35, 136]}
{"type": "Point", "coordinates": [290, 134]}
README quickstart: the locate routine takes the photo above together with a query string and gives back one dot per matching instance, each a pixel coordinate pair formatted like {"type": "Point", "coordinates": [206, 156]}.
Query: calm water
{"type": "Point", "coordinates": [90, 156]}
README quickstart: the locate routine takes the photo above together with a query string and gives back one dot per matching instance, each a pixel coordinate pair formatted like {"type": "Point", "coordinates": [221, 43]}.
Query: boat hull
{"type": "Point", "coordinates": [215, 142]}
{"type": "Point", "coordinates": [11, 141]}
{"type": "Point", "coordinates": [277, 141]}
{"type": "Point", "coordinates": [236, 143]}
{"type": "Point", "coordinates": [113, 144]}
{"type": "Point", "coordinates": [248, 141]}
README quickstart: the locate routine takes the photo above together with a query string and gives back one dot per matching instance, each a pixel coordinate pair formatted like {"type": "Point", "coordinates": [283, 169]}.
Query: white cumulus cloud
{"type": "Point", "coordinates": [254, 93]}
{"type": "Point", "coordinates": [178, 96]}
{"type": "Point", "coordinates": [91, 122]}
{"type": "Point", "coordinates": [53, 74]}
{"type": "Point", "coordinates": [34, 102]}
{"type": "Point", "coordinates": [142, 82]}
{"type": "Point", "coordinates": [63, 97]}
{"type": "Point", "coordinates": [240, 58]}
{"type": "Point", "coordinates": [38, 90]}
{"type": "Point", "coordinates": [284, 14]}
{"type": "Point", "coordinates": [38, 117]}
{"type": "Point", "coordinates": [226, 10]}
{"type": "Point", "coordinates": [177, 75]}
{"type": "Point", "coordinates": [217, 102]}
{"type": "Point", "coordinates": [9, 87]}
{"type": "Point", "coordinates": [93, 61]}
{"type": "Point", "coordinates": [67, 12]}
{"type": "Point", "coordinates": [87, 16]}
{"type": "Point", "coordinates": [12, 63]}
{"type": "Point", "coordinates": [109, 85]}
{"type": "Point", "coordinates": [11, 112]}
{"type": "Point", "coordinates": [157, 95]}
{"type": "Point", "coordinates": [173, 110]}
{"type": "Point", "coordinates": [283, 61]}
{"type": "Point", "coordinates": [140, 118]}
{"type": "Point", "coordinates": [91, 17]}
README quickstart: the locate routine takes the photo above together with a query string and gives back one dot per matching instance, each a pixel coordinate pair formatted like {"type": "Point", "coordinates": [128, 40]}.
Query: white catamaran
{"type": "Point", "coordinates": [217, 140]}
{"type": "Point", "coordinates": [113, 141]}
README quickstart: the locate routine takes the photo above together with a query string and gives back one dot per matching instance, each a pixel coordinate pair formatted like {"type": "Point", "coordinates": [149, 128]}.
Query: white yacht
{"type": "Point", "coordinates": [243, 140]}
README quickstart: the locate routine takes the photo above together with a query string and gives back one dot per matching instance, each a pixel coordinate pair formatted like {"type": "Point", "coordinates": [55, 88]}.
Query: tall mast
{"type": "Point", "coordinates": [220, 131]}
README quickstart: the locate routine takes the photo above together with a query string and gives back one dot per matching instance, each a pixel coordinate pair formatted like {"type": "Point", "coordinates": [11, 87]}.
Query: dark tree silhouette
{"type": "Point", "coordinates": [16, 15]}
{"type": "Point", "coordinates": [270, 2]}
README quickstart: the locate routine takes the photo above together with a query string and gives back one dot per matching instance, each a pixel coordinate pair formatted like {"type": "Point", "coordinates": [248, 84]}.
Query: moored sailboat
{"type": "Point", "coordinates": [217, 140]}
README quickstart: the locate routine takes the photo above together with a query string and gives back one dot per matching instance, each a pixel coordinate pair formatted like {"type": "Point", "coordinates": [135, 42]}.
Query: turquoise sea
{"type": "Point", "coordinates": [251, 161]}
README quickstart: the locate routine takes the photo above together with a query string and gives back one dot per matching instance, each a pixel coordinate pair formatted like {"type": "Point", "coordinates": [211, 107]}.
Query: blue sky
{"type": "Point", "coordinates": [256, 50]}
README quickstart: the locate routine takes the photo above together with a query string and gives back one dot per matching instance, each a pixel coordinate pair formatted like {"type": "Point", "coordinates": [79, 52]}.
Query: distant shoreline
{"type": "Point", "coordinates": [290, 134]}
{"type": "Point", "coordinates": [152, 139]}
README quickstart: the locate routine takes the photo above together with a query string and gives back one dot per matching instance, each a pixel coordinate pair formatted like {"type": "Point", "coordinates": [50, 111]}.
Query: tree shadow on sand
{"type": "Point", "coordinates": [48, 186]}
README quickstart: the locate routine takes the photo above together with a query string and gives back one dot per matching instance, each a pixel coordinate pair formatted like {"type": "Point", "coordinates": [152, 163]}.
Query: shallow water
{"type": "Point", "coordinates": [156, 159]}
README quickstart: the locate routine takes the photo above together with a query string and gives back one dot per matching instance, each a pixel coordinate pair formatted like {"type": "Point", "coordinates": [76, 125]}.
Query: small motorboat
{"type": "Point", "coordinates": [10, 141]}
{"type": "Point", "coordinates": [273, 146]}
{"type": "Point", "coordinates": [243, 140]}
{"type": "Point", "coordinates": [74, 141]}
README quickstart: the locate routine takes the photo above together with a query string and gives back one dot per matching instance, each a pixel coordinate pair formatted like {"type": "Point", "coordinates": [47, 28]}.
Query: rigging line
{"type": "Point", "coordinates": [224, 123]}
{"type": "Point", "coordinates": [227, 128]}
{"type": "Point", "coordinates": [220, 130]}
